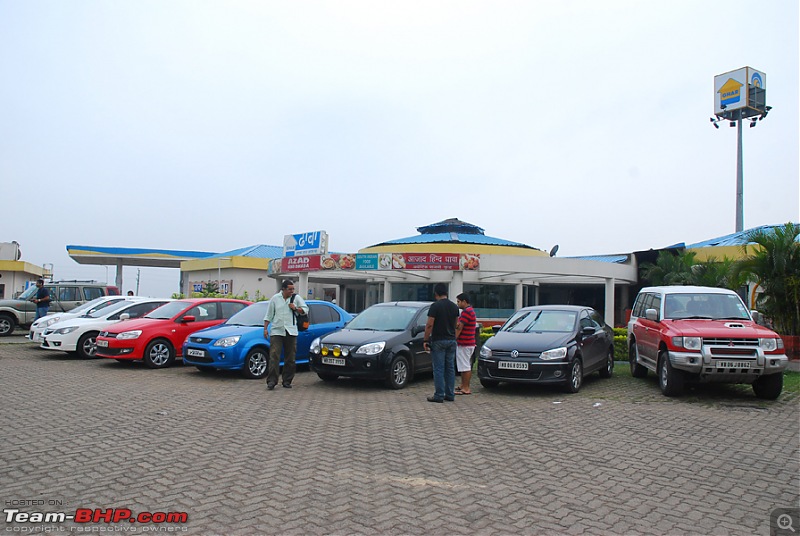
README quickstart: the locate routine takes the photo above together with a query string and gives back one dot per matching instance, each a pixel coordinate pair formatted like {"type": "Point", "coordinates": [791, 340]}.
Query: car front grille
{"type": "Point", "coordinates": [507, 355]}
{"type": "Point", "coordinates": [731, 342]}
{"type": "Point", "coordinates": [734, 348]}
{"type": "Point", "coordinates": [108, 335]}
{"type": "Point", "coordinates": [199, 340]}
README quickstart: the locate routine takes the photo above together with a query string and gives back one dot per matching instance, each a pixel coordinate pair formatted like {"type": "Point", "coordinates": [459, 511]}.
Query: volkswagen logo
{"type": "Point", "coordinates": [514, 354]}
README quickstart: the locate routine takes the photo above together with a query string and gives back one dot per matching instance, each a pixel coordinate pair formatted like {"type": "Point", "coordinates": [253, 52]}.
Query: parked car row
{"type": "Point", "coordinates": [684, 334]}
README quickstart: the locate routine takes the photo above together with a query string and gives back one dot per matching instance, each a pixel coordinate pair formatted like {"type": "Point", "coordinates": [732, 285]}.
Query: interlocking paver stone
{"type": "Point", "coordinates": [352, 457]}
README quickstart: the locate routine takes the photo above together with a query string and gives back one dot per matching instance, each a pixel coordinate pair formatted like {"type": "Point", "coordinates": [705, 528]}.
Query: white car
{"type": "Point", "coordinates": [79, 335]}
{"type": "Point", "coordinates": [38, 327]}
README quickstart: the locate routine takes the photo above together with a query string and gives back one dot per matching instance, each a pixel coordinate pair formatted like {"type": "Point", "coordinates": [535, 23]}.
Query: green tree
{"type": "Point", "coordinates": [669, 269]}
{"type": "Point", "coordinates": [718, 273]}
{"type": "Point", "coordinates": [774, 263]}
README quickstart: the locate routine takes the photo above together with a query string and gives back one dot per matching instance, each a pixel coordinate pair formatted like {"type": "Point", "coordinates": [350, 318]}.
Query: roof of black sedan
{"type": "Point", "coordinates": [404, 304]}
{"type": "Point", "coordinates": [556, 307]}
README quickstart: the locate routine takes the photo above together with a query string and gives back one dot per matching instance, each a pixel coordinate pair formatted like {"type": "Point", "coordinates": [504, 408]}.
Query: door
{"type": "Point", "coordinates": [592, 345]}
{"type": "Point", "coordinates": [422, 357]}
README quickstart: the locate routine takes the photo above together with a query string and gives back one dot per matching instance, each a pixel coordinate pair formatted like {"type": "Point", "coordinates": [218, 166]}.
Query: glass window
{"type": "Point", "coordinates": [598, 319]}
{"type": "Point", "coordinates": [541, 321]}
{"type": "Point", "coordinates": [588, 322]}
{"type": "Point", "coordinates": [92, 293]}
{"type": "Point", "coordinates": [203, 312]}
{"type": "Point", "coordinates": [68, 294]}
{"type": "Point", "coordinates": [412, 292]}
{"type": "Point", "coordinates": [137, 310]}
{"type": "Point", "coordinates": [231, 308]}
{"type": "Point", "coordinates": [322, 314]}
{"type": "Point", "coordinates": [491, 301]}
{"type": "Point", "coordinates": [384, 317]}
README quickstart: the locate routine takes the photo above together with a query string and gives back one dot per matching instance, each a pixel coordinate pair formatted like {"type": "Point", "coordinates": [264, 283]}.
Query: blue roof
{"type": "Point", "coordinates": [140, 251]}
{"type": "Point", "coordinates": [734, 239]}
{"type": "Point", "coordinates": [617, 259]}
{"type": "Point", "coordinates": [259, 251]}
{"type": "Point", "coordinates": [453, 231]}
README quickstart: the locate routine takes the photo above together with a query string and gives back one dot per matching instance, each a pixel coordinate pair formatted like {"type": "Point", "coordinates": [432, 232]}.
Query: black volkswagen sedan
{"type": "Point", "coordinates": [548, 344]}
{"type": "Point", "coordinates": [384, 342]}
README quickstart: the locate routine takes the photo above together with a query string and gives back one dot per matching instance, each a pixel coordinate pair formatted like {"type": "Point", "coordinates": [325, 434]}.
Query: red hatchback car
{"type": "Point", "coordinates": [157, 339]}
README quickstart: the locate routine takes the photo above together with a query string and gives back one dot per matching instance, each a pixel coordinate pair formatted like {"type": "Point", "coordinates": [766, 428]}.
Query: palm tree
{"type": "Point", "coordinates": [669, 269]}
{"type": "Point", "coordinates": [774, 264]}
{"type": "Point", "coordinates": [718, 273]}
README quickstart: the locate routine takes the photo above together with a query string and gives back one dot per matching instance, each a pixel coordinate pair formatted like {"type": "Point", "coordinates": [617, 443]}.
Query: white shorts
{"type": "Point", "coordinates": [463, 358]}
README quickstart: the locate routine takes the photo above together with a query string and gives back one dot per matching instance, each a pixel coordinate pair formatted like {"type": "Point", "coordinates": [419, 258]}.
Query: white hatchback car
{"type": "Point", "coordinates": [79, 335]}
{"type": "Point", "coordinates": [37, 328]}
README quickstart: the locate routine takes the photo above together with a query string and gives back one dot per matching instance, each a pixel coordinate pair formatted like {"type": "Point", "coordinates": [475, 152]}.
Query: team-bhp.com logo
{"type": "Point", "coordinates": [94, 515]}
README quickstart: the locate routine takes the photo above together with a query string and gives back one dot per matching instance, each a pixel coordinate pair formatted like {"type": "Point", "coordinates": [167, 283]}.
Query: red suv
{"type": "Point", "coordinates": [702, 335]}
{"type": "Point", "coordinates": [157, 339]}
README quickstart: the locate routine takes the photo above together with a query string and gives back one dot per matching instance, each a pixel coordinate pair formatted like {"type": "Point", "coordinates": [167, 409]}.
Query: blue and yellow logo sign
{"type": "Point", "coordinates": [730, 92]}
{"type": "Point", "coordinates": [756, 80]}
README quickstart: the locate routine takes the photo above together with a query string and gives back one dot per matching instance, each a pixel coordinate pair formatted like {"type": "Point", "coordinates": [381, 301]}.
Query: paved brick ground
{"type": "Point", "coordinates": [355, 458]}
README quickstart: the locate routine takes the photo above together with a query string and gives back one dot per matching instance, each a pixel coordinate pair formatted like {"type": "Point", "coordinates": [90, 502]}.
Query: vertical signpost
{"type": "Point", "coordinates": [739, 95]}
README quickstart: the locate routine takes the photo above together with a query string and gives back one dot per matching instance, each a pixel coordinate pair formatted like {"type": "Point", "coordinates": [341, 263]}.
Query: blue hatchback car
{"type": "Point", "coordinates": [239, 343]}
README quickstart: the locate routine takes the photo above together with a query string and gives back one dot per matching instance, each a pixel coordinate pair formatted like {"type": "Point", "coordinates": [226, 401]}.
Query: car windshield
{"type": "Point", "coordinates": [539, 321]}
{"type": "Point", "coordinates": [30, 291]}
{"type": "Point", "coordinates": [252, 315]}
{"type": "Point", "coordinates": [168, 310]}
{"type": "Point", "coordinates": [705, 306]}
{"type": "Point", "coordinates": [107, 308]}
{"type": "Point", "coordinates": [384, 318]}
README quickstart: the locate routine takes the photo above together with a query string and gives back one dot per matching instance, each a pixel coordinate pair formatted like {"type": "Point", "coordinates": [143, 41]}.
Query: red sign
{"type": "Point", "coordinates": [304, 263]}
{"type": "Point", "coordinates": [431, 261]}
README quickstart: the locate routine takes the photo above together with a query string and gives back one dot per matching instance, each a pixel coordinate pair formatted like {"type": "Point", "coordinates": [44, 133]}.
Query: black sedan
{"type": "Point", "coordinates": [384, 342]}
{"type": "Point", "coordinates": [548, 344]}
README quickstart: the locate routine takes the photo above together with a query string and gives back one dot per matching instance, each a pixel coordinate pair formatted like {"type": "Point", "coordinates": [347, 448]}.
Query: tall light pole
{"type": "Point", "coordinates": [740, 95]}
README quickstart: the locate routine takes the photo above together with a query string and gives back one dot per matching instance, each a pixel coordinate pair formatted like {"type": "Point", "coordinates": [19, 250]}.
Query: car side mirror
{"type": "Point", "coordinates": [416, 330]}
{"type": "Point", "coordinates": [188, 318]}
{"type": "Point", "coordinates": [496, 328]}
{"type": "Point", "coordinates": [651, 314]}
{"type": "Point", "coordinates": [587, 330]}
{"type": "Point", "coordinates": [124, 316]}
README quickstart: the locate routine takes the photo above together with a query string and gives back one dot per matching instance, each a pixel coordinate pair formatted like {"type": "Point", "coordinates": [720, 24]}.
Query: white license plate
{"type": "Point", "coordinates": [732, 364]}
{"type": "Point", "coordinates": [513, 365]}
{"type": "Point", "coordinates": [191, 352]}
{"type": "Point", "coordinates": [102, 344]}
{"type": "Point", "coordinates": [333, 361]}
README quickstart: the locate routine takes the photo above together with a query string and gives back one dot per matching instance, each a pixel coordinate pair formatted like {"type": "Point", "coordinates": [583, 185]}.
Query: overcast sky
{"type": "Point", "coordinates": [210, 126]}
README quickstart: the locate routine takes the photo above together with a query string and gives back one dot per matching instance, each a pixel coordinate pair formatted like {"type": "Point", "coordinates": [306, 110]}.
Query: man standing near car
{"type": "Point", "coordinates": [465, 337]}
{"type": "Point", "coordinates": [283, 337]}
{"type": "Point", "coordinates": [42, 300]}
{"type": "Point", "coordinates": [440, 341]}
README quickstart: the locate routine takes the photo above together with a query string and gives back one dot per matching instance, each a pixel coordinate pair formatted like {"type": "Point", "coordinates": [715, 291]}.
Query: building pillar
{"type": "Point", "coordinates": [456, 285]}
{"type": "Point", "coordinates": [387, 291]}
{"type": "Point", "coordinates": [118, 280]}
{"type": "Point", "coordinates": [518, 289]}
{"type": "Point", "coordinates": [302, 284]}
{"type": "Point", "coordinates": [609, 305]}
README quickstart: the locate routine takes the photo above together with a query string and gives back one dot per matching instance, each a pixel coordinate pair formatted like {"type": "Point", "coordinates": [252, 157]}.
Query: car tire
{"type": "Point", "coordinates": [399, 373]}
{"type": "Point", "coordinates": [255, 364]}
{"type": "Point", "coordinates": [489, 384]}
{"type": "Point", "coordinates": [87, 345]}
{"type": "Point", "coordinates": [6, 325]}
{"type": "Point", "coordinates": [608, 369]}
{"type": "Point", "coordinates": [670, 379]}
{"type": "Point", "coordinates": [205, 369]}
{"type": "Point", "coordinates": [637, 369]}
{"type": "Point", "coordinates": [159, 354]}
{"type": "Point", "coordinates": [327, 377]}
{"type": "Point", "coordinates": [575, 379]}
{"type": "Point", "coordinates": [769, 387]}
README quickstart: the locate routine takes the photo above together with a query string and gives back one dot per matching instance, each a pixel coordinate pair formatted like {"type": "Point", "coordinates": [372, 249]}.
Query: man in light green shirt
{"type": "Point", "coordinates": [283, 335]}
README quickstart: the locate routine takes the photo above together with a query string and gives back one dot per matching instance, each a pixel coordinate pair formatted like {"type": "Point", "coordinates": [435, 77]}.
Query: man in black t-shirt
{"type": "Point", "coordinates": [42, 300]}
{"type": "Point", "coordinates": [440, 341]}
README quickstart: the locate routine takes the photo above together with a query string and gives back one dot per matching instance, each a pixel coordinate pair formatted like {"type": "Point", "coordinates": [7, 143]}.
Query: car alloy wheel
{"type": "Point", "coordinates": [159, 354]}
{"type": "Point", "coordinates": [87, 345]}
{"type": "Point", "coordinates": [398, 373]}
{"type": "Point", "coordinates": [255, 364]}
{"type": "Point", "coordinates": [575, 376]}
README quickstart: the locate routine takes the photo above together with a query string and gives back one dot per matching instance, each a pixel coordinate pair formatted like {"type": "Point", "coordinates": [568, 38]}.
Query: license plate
{"type": "Point", "coordinates": [513, 365]}
{"type": "Point", "coordinates": [333, 361]}
{"type": "Point", "coordinates": [191, 352]}
{"type": "Point", "coordinates": [732, 364]}
{"type": "Point", "coordinates": [102, 344]}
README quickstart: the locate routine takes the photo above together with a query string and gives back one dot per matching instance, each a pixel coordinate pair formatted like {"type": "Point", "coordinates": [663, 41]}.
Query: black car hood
{"type": "Point", "coordinates": [529, 342]}
{"type": "Point", "coordinates": [357, 337]}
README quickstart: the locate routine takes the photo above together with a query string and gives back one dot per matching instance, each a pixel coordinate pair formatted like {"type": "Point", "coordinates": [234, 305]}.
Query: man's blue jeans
{"type": "Point", "coordinates": [443, 355]}
{"type": "Point", "coordinates": [41, 311]}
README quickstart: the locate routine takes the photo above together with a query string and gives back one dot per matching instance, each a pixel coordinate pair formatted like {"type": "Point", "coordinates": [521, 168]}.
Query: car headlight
{"type": "Point", "coordinates": [64, 331]}
{"type": "Point", "coordinates": [314, 348]}
{"type": "Point", "coordinates": [130, 334]}
{"type": "Point", "coordinates": [47, 321]}
{"type": "Point", "coordinates": [372, 348]}
{"type": "Point", "coordinates": [690, 343]}
{"type": "Point", "coordinates": [555, 353]}
{"type": "Point", "coordinates": [227, 342]}
{"type": "Point", "coordinates": [770, 345]}
{"type": "Point", "coordinates": [486, 352]}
